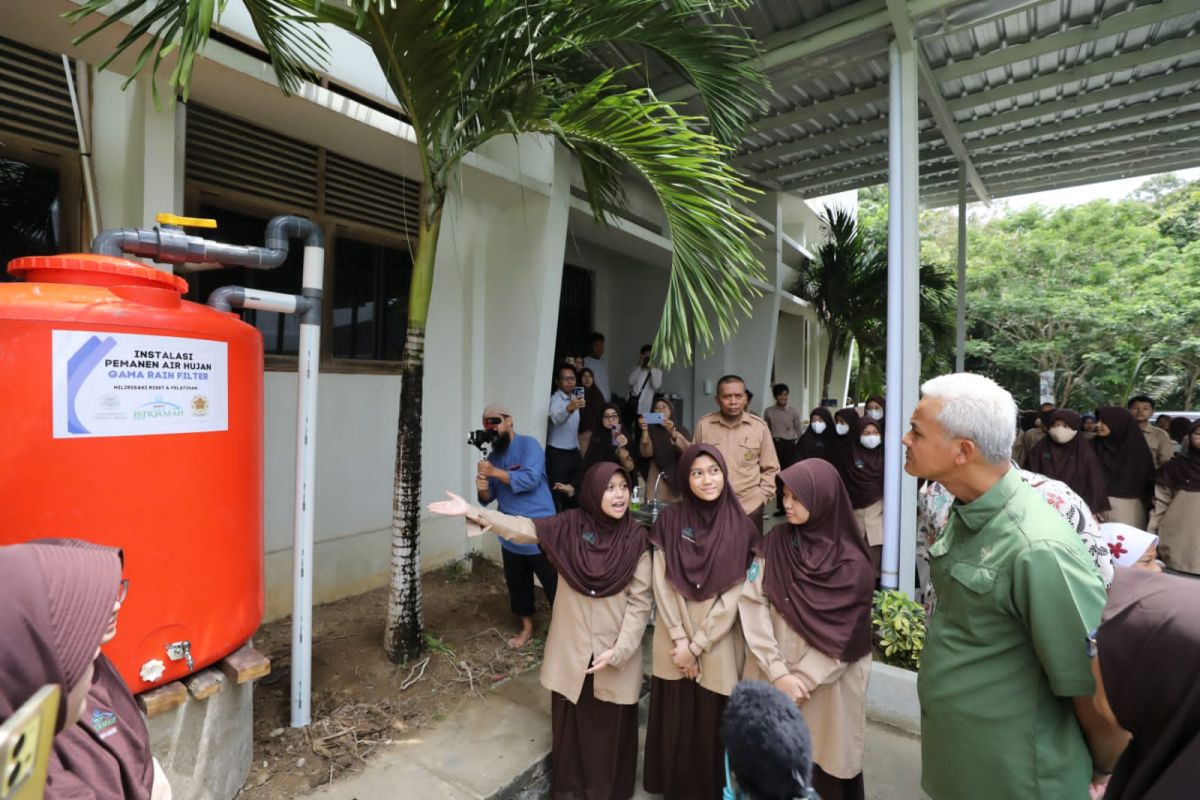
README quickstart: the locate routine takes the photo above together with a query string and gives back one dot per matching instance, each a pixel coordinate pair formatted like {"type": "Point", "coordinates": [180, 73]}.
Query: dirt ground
{"type": "Point", "coordinates": [361, 701]}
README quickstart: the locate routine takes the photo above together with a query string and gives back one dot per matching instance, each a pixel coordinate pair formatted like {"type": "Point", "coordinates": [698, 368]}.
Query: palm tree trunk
{"type": "Point", "coordinates": [830, 354]}
{"type": "Point", "coordinates": [402, 634]}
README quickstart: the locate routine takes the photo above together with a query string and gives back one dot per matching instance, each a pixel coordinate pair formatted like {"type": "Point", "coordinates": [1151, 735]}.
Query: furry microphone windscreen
{"type": "Point", "coordinates": [769, 746]}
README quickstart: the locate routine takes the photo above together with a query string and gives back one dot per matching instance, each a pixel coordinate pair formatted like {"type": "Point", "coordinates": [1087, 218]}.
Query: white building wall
{"type": "Point", "coordinates": [510, 224]}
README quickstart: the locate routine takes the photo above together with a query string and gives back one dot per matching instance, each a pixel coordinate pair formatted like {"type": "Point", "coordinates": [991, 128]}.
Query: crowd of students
{"type": "Point", "coordinates": [1034, 683]}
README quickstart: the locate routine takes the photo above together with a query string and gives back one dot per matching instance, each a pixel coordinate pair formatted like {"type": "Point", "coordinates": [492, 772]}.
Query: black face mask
{"type": "Point", "coordinates": [501, 443]}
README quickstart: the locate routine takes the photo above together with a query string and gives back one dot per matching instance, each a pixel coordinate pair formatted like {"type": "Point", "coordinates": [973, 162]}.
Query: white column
{"type": "Point", "coordinates": [960, 324]}
{"type": "Point", "coordinates": [903, 357]}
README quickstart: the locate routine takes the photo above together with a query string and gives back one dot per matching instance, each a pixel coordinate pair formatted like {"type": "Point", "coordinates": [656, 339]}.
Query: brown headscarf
{"type": "Point", "coordinates": [1125, 457]}
{"type": "Point", "coordinates": [1182, 472]}
{"type": "Point", "coordinates": [1074, 463]}
{"type": "Point", "coordinates": [106, 754]}
{"type": "Point", "coordinates": [594, 553]}
{"type": "Point", "coordinates": [593, 403]}
{"type": "Point", "coordinates": [600, 448]}
{"type": "Point", "coordinates": [843, 445]}
{"type": "Point", "coordinates": [1179, 428]}
{"type": "Point", "coordinates": [55, 604]}
{"type": "Point", "coordinates": [863, 474]}
{"type": "Point", "coordinates": [707, 546]}
{"type": "Point", "coordinates": [1149, 644]}
{"type": "Point", "coordinates": [818, 445]}
{"type": "Point", "coordinates": [818, 575]}
{"type": "Point", "coordinates": [665, 453]}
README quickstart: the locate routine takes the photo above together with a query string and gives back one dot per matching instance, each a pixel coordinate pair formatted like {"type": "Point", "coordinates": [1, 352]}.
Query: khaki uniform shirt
{"type": "Point", "coordinates": [783, 422]}
{"type": "Point", "coordinates": [1176, 520]}
{"type": "Point", "coordinates": [583, 627]}
{"type": "Point", "coordinates": [836, 712]}
{"type": "Point", "coordinates": [711, 624]}
{"type": "Point", "coordinates": [749, 454]}
{"type": "Point", "coordinates": [1161, 446]}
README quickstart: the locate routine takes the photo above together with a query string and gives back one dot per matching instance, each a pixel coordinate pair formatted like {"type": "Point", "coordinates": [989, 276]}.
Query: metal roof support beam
{"type": "Point", "coordinates": [1074, 37]}
{"type": "Point", "coordinates": [903, 357]}
{"type": "Point", "coordinates": [1076, 177]}
{"type": "Point", "coordinates": [824, 108]}
{"type": "Point", "coordinates": [1022, 172]}
{"type": "Point", "coordinates": [1167, 51]}
{"type": "Point", "coordinates": [932, 93]}
{"type": "Point", "coordinates": [1175, 80]}
{"type": "Point", "coordinates": [823, 33]}
{"type": "Point", "coordinates": [827, 165]}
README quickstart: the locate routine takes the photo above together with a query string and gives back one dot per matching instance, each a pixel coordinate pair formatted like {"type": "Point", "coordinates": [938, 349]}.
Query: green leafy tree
{"type": "Point", "coordinates": [471, 70]}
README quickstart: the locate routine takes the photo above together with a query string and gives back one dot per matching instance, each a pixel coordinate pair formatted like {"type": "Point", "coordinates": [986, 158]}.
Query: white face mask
{"type": "Point", "coordinates": [875, 413]}
{"type": "Point", "coordinates": [870, 441]}
{"type": "Point", "coordinates": [841, 428]}
{"type": "Point", "coordinates": [1062, 435]}
{"type": "Point", "coordinates": [818, 426]}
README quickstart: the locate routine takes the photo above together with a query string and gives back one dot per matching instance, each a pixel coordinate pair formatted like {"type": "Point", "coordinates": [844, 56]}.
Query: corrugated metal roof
{"type": "Point", "coordinates": [1042, 93]}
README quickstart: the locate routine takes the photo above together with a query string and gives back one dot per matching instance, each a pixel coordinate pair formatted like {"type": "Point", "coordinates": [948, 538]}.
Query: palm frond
{"type": "Point", "coordinates": [713, 264]}
{"type": "Point", "coordinates": [181, 28]}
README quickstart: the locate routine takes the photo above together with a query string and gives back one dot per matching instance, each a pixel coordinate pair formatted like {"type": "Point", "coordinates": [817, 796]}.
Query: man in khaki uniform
{"type": "Point", "coordinates": [745, 442]}
{"type": "Point", "coordinates": [1161, 446]}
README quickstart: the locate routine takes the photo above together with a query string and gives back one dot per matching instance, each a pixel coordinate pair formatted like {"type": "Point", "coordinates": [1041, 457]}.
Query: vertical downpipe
{"type": "Point", "coordinates": [306, 468]}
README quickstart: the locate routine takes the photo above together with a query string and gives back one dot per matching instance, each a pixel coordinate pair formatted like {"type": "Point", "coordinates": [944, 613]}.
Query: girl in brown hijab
{"type": "Point", "coordinates": [702, 546]}
{"type": "Point", "coordinates": [106, 754]}
{"type": "Point", "coordinates": [1176, 517]}
{"type": "Point", "coordinates": [1065, 455]}
{"type": "Point", "coordinates": [806, 613]}
{"type": "Point", "coordinates": [1127, 464]}
{"type": "Point", "coordinates": [593, 409]}
{"type": "Point", "coordinates": [817, 439]}
{"type": "Point", "coordinates": [660, 446]}
{"type": "Point", "coordinates": [603, 601]}
{"type": "Point", "coordinates": [863, 476]}
{"type": "Point", "coordinates": [1178, 430]}
{"type": "Point", "coordinates": [1147, 647]}
{"type": "Point", "coordinates": [844, 424]}
{"type": "Point", "coordinates": [55, 606]}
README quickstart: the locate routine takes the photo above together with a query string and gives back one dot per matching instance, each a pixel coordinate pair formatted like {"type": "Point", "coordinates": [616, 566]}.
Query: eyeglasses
{"type": "Point", "coordinates": [612, 416]}
{"type": "Point", "coordinates": [124, 590]}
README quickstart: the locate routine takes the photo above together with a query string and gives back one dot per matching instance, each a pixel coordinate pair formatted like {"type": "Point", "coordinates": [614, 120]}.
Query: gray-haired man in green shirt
{"type": "Point", "coordinates": [1006, 684]}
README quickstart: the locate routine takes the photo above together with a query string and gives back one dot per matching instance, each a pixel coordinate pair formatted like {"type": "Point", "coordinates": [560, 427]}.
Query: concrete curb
{"type": "Point", "coordinates": [892, 697]}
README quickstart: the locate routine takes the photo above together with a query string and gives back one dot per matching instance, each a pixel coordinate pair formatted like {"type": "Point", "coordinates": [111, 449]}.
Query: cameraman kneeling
{"type": "Point", "coordinates": [514, 475]}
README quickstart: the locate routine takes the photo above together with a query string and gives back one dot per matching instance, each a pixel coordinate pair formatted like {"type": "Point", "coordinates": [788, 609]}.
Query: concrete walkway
{"type": "Point", "coordinates": [496, 749]}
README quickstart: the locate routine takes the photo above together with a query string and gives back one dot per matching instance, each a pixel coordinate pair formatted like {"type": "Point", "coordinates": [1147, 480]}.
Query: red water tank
{"type": "Point", "coordinates": [133, 418]}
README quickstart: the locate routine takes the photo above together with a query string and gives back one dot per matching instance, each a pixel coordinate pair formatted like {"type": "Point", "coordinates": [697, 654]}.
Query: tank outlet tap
{"type": "Point", "coordinates": [177, 651]}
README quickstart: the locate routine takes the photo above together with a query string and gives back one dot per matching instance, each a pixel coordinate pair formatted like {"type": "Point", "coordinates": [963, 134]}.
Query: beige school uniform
{"type": "Point", "coordinates": [1129, 510]}
{"type": "Point", "coordinates": [1176, 520]}
{"type": "Point", "coordinates": [665, 493]}
{"type": "Point", "coordinates": [836, 712]}
{"type": "Point", "coordinates": [1161, 446]}
{"type": "Point", "coordinates": [583, 627]}
{"type": "Point", "coordinates": [711, 624]}
{"type": "Point", "coordinates": [870, 521]}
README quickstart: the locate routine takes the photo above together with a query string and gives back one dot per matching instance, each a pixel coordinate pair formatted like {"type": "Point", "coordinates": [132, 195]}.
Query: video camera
{"type": "Point", "coordinates": [482, 440]}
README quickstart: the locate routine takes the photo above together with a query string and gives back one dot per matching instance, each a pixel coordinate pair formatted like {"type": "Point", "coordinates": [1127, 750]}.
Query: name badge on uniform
{"type": "Point", "coordinates": [752, 573]}
{"type": "Point", "coordinates": [589, 537]}
{"type": "Point", "coordinates": [689, 534]}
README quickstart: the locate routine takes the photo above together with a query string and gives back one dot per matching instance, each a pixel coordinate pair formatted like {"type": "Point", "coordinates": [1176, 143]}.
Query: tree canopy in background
{"type": "Point", "coordinates": [1107, 294]}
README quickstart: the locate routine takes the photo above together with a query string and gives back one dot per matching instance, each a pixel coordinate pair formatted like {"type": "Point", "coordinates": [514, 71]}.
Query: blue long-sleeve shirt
{"type": "Point", "coordinates": [527, 494]}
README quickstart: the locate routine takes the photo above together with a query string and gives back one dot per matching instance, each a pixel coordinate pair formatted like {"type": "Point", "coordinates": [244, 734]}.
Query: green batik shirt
{"type": "Point", "coordinates": [1006, 652]}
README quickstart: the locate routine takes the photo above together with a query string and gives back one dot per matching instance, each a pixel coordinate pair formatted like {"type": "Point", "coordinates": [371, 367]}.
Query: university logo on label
{"type": "Point", "coordinates": [200, 405]}
{"type": "Point", "coordinates": [103, 720]}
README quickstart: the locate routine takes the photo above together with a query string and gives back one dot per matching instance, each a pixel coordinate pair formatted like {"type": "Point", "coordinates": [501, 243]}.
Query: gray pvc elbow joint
{"type": "Point", "coordinates": [281, 229]}
{"type": "Point", "coordinates": [227, 298]}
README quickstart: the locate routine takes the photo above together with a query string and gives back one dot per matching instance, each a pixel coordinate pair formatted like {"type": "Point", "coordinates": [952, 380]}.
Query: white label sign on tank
{"type": "Point", "coordinates": [127, 384]}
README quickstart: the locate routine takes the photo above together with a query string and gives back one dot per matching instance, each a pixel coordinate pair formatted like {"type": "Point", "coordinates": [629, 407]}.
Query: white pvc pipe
{"type": "Point", "coordinates": [269, 301]}
{"type": "Point", "coordinates": [306, 470]}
